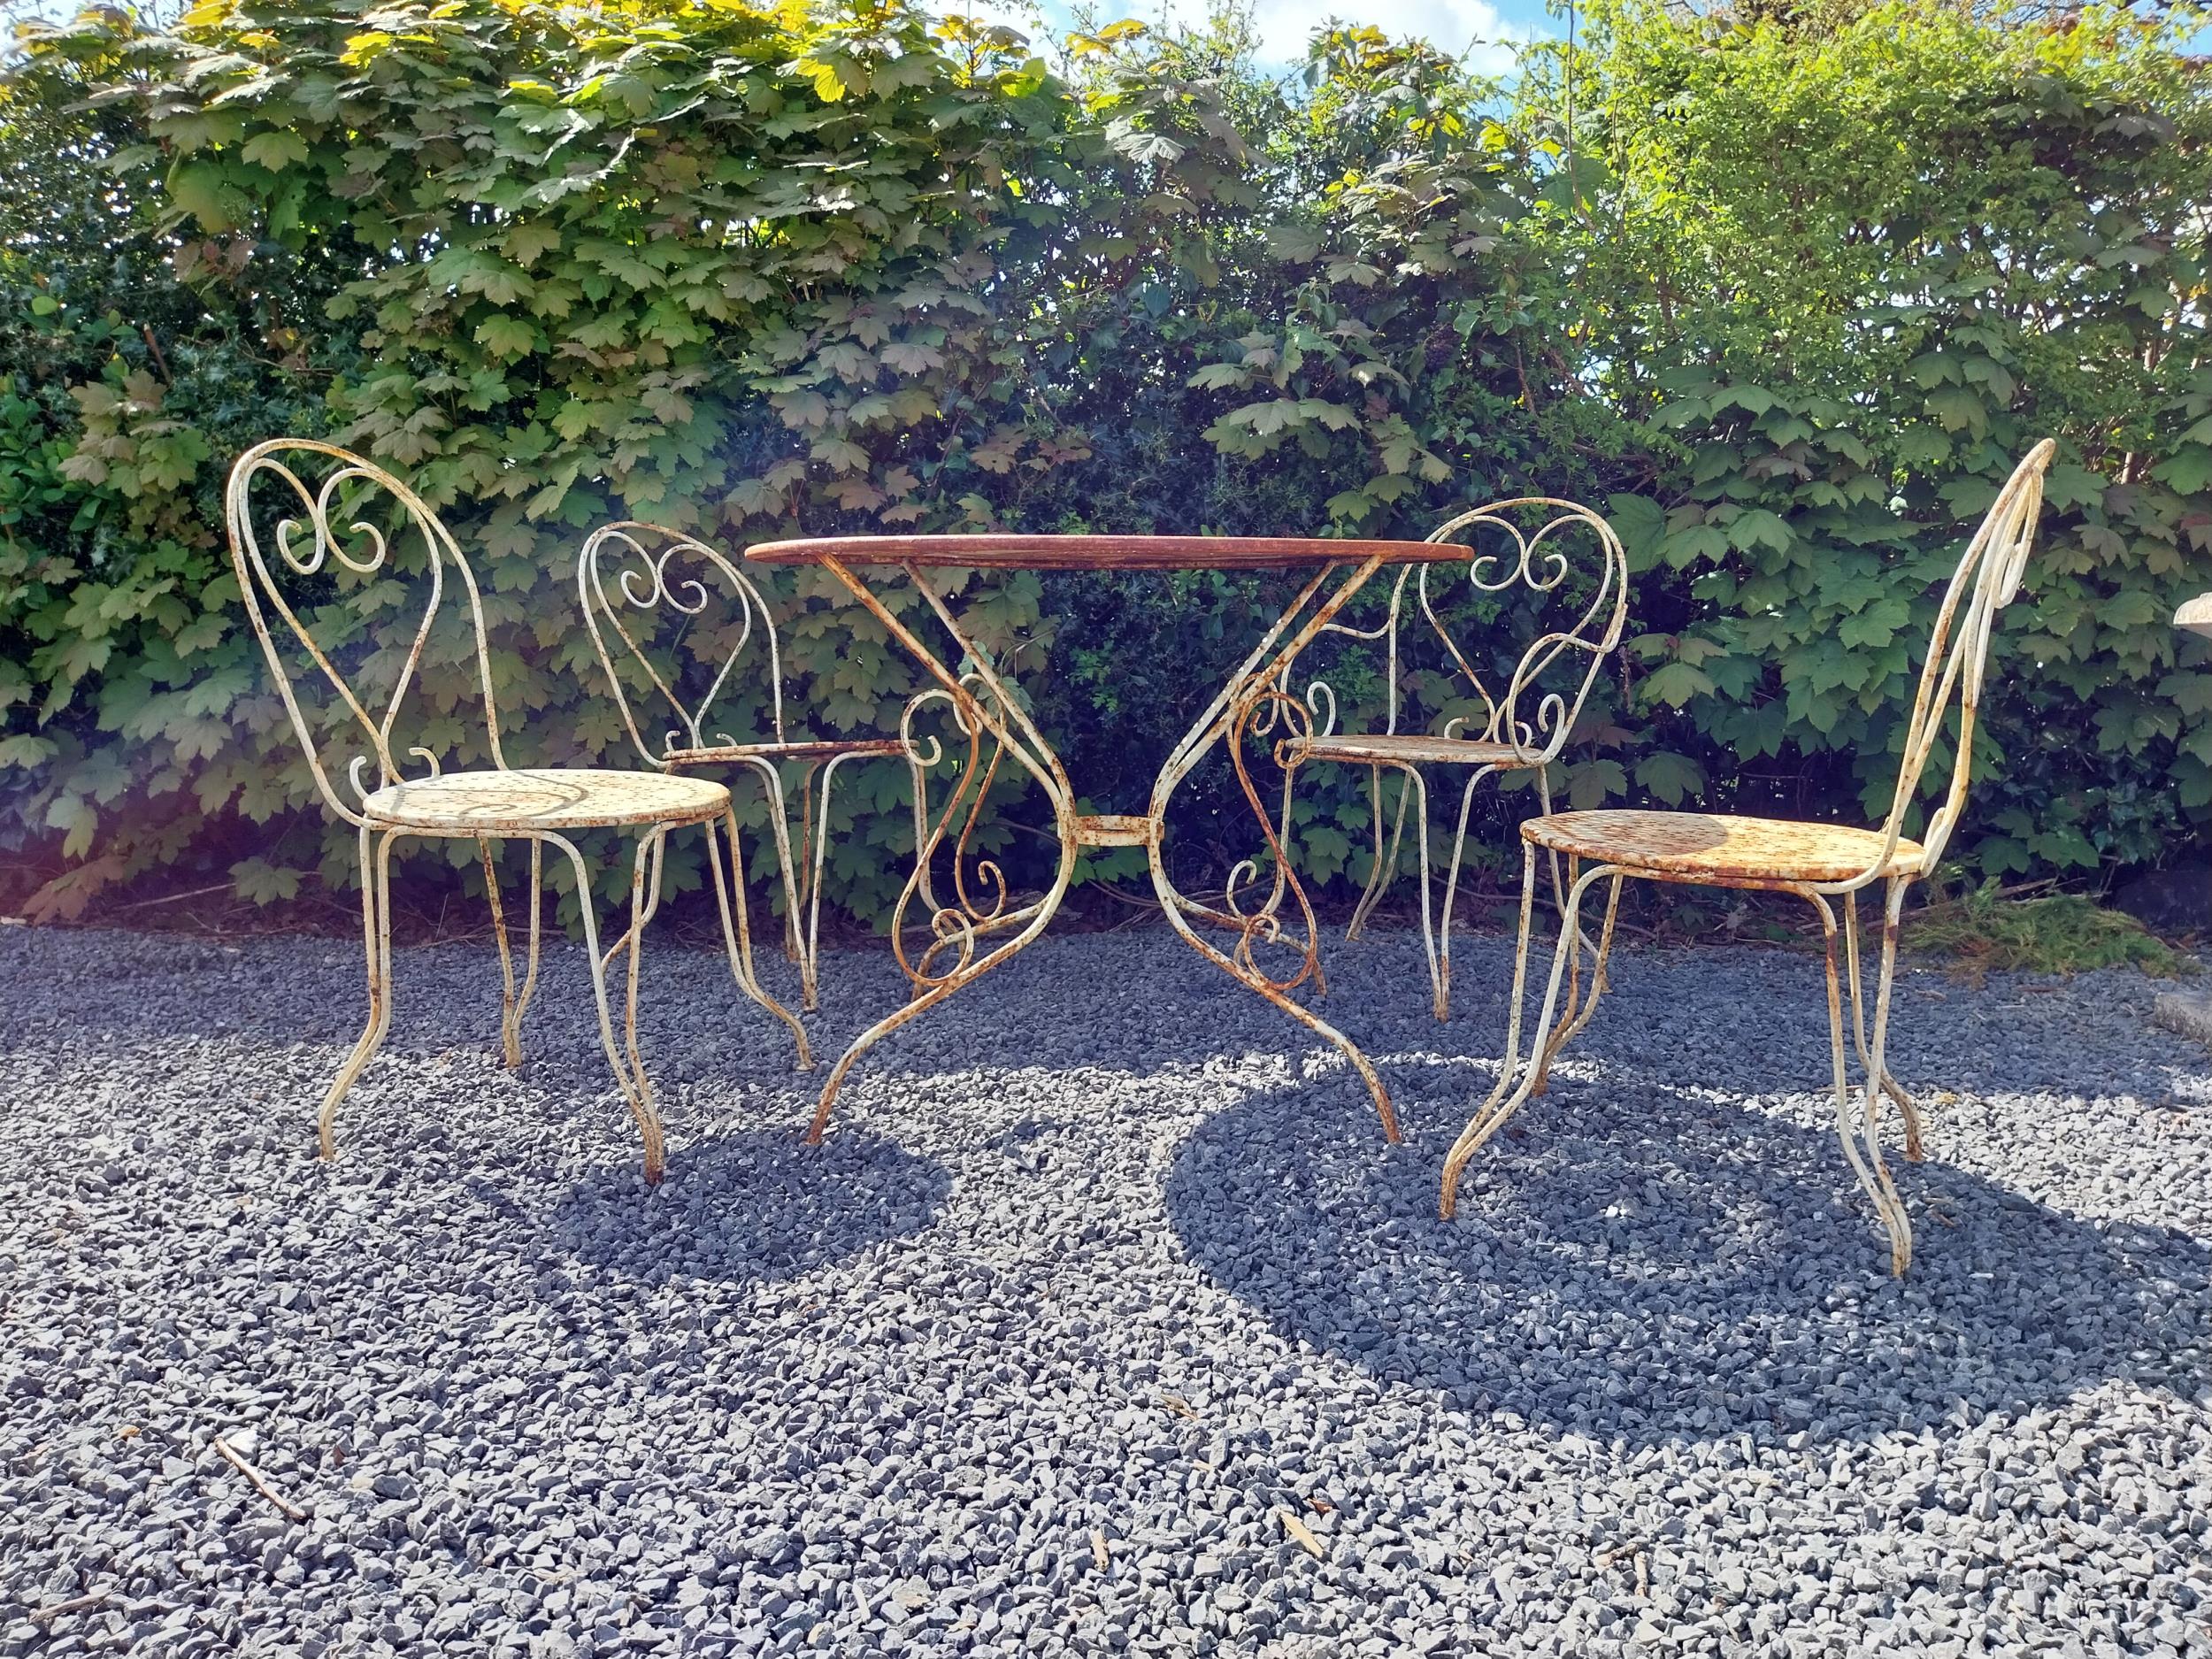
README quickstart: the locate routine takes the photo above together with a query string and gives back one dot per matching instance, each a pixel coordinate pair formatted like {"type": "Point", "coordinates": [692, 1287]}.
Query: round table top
{"type": "Point", "coordinates": [1100, 552]}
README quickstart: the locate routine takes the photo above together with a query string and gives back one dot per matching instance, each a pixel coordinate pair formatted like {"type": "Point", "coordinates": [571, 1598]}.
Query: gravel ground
{"type": "Point", "coordinates": [1104, 1298]}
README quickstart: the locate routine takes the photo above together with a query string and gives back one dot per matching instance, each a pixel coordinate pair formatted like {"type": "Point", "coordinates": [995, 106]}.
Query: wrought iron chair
{"type": "Point", "coordinates": [1555, 670]}
{"type": "Point", "coordinates": [677, 607]}
{"type": "Point", "coordinates": [1815, 861]}
{"type": "Point", "coordinates": [338, 527]}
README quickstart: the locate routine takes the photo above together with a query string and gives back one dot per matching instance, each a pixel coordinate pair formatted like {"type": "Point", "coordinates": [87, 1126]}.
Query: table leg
{"type": "Point", "coordinates": [1254, 687]}
{"type": "Point", "coordinates": [994, 724]}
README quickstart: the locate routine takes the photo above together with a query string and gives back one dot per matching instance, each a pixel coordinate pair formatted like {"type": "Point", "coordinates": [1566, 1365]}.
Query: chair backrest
{"type": "Point", "coordinates": [665, 583]}
{"type": "Point", "coordinates": [1531, 546]}
{"type": "Point", "coordinates": [318, 531]}
{"type": "Point", "coordinates": [1987, 579]}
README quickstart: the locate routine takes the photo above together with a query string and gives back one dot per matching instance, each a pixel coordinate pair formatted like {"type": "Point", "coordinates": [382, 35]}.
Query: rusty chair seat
{"type": "Point", "coordinates": [1717, 848]}
{"type": "Point", "coordinates": [808, 749]}
{"type": "Point", "coordinates": [1408, 748]}
{"type": "Point", "coordinates": [484, 802]}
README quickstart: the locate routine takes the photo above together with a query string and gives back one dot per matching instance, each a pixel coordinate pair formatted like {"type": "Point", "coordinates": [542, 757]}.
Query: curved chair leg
{"type": "Point", "coordinates": [1386, 870]}
{"type": "Point", "coordinates": [1282, 839]}
{"type": "Point", "coordinates": [1451, 894]}
{"type": "Point", "coordinates": [636, 1090]}
{"type": "Point", "coordinates": [1860, 1147]}
{"type": "Point", "coordinates": [1506, 1098]}
{"type": "Point", "coordinates": [737, 937]}
{"type": "Point", "coordinates": [1890, 1085]}
{"type": "Point", "coordinates": [1571, 1022]}
{"type": "Point", "coordinates": [1439, 971]}
{"type": "Point", "coordinates": [1901, 1242]}
{"type": "Point", "coordinates": [811, 948]}
{"type": "Point", "coordinates": [511, 1005]}
{"type": "Point", "coordinates": [810, 861]}
{"type": "Point", "coordinates": [779, 829]}
{"type": "Point", "coordinates": [1574, 967]}
{"type": "Point", "coordinates": [376, 940]}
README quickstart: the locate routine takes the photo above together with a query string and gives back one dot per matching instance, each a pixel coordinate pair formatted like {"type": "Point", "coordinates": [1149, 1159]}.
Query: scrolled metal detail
{"type": "Point", "coordinates": [957, 925]}
{"type": "Point", "coordinates": [1264, 926]}
{"type": "Point", "coordinates": [643, 583]}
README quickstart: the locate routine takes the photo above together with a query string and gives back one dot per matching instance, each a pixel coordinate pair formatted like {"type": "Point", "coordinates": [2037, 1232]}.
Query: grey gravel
{"type": "Point", "coordinates": [1103, 1261]}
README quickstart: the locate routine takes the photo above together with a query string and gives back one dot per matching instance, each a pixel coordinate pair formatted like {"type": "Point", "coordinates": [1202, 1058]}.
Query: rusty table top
{"type": "Point", "coordinates": [1100, 552]}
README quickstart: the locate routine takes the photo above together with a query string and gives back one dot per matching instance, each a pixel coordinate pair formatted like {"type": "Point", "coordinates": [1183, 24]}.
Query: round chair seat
{"type": "Point", "coordinates": [556, 798]}
{"type": "Point", "coordinates": [1720, 847]}
{"type": "Point", "coordinates": [1410, 748]}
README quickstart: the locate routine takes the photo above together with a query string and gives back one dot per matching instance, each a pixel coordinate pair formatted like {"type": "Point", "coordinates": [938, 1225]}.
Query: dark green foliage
{"type": "Point", "coordinates": [1785, 298]}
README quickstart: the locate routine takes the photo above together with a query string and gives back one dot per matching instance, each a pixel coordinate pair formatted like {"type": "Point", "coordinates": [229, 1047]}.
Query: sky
{"type": "Point", "coordinates": [1472, 27]}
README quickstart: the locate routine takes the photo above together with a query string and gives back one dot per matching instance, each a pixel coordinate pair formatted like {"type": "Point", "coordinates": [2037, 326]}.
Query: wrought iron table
{"type": "Point", "coordinates": [993, 724]}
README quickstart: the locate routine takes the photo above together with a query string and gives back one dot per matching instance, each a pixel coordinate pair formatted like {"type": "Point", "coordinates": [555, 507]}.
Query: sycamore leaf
{"type": "Point", "coordinates": [506, 336]}
{"type": "Point", "coordinates": [1593, 783]}
{"type": "Point", "coordinates": [841, 453]}
{"type": "Point", "coordinates": [1671, 779]}
{"type": "Point", "coordinates": [276, 151]}
{"type": "Point", "coordinates": [1674, 683]}
{"type": "Point", "coordinates": [258, 881]}
{"type": "Point", "coordinates": [1216, 376]}
{"type": "Point", "coordinates": [2189, 472]}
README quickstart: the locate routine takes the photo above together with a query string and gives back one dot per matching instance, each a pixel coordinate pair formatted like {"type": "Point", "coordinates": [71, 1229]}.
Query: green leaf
{"type": "Point", "coordinates": [1669, 778]}
{"type": "Point", "coordinates": [505, 336]}
{"type": "Point", "coordinates": [27, 749]}
{"type": "Point", "coordinates": [1757, 528]}
{"type": "Point", "coordinates": [2189, 472]}
{"type": "Point", "coordinates": [1593, 783]}
{"type": "Point", "coordinates": [258, 881]}
{"type": "Point", "coordinates": [1641, 524]}
{"type": "Point", "coordinates": [276, 151]}
{"type": "Point", "coordinates": [1675, 684]}
{"type": "Point", "coordinates": [201, 189]}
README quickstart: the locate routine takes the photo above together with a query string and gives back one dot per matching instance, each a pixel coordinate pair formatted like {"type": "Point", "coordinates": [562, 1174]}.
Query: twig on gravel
{"type": "Point", "coordinates": [1612, 1553]}
{"type": "Point", "coordinates": [170, 898]}
{"type": "Point", "coordinates": [76, 1605]}
{"type": "Point", "coordinates": [1303, 1533]}
{"type": "Point", "coordinates": [260, 1481]}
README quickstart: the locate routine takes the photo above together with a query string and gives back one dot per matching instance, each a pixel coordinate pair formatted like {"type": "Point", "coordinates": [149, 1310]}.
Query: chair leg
{"type": "Point", "coordinates": [511, 1005]}
{"type": "Point", "coordinates": [1890, 1085]}
{"type": "Point", "coordinates": [1506, 1098]}
{"type": "Point", "coordinates": [737, 937]}
{"type": "Point", "coordinates": [376, 940]}
{"type": "Point", "coordinates": [1574, 963]}
{"type": "Point", "coordinates": [809, 864]}
{"type": "Point", "coordinates": [537, 935]}
{"type": "Point", "coordinates": [1572, 1021]}
{"type": "Point", "coordinates": [1860, 1147]}
{"type": "Point", "coordinates": [1451, 894]}
{"type": "Point", "coordinates": [1275, 894]}
{"type": "Point", "coordinates": [1440, 969]}
{"type": "Point", "coordinates": [628, 1074]}
{"type": "Point", "coordinates": [1386, 870]}
{"type": "Point", "coordinates": [811, 950]}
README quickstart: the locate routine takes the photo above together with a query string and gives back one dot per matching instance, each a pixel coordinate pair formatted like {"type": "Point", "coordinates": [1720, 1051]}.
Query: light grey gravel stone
{"type": "Point", "coordinates": [1103, 1272]}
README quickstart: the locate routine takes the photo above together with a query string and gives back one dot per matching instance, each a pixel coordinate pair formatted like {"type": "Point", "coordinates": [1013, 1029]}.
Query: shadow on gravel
{"type": "Point", "coordinates": [754, 1206]}
{"type": "Point", "coordinates": [1630, 1263]}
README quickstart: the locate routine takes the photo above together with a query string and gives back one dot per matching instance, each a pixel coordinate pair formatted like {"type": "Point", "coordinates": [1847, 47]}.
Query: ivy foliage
{"type": "Point", "coordinates": [755, 271]}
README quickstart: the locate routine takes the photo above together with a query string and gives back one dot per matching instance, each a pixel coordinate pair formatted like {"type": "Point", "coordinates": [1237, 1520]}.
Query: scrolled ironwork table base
{"type": "Point", "coordinates": [970, 937]}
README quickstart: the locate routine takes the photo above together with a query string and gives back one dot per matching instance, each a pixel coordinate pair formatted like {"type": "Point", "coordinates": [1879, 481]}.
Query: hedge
{"type": "Point", "coordinates": [1784, 295]}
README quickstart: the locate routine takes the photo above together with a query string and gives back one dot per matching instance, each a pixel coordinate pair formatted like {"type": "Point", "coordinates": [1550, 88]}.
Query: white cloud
{"type": "Point", "coordinates": [1470, 28]}
{"type": "Point", "coordinates": [1459, 27]}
